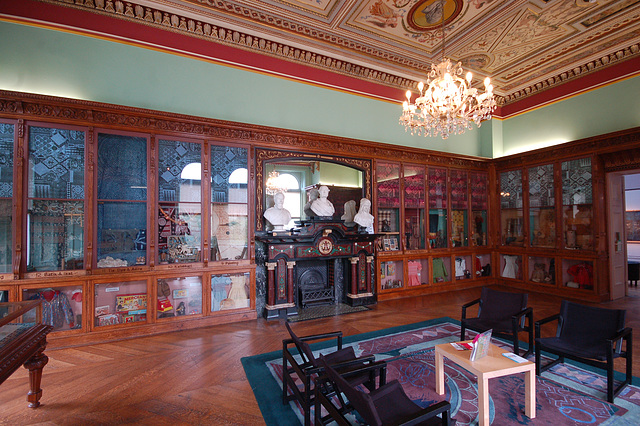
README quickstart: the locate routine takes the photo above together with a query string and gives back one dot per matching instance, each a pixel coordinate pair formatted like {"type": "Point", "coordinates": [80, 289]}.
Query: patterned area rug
{"type": "Point", "coordinates": [325, 311]}
{"type": "Point", "coordinates": [567, 394]}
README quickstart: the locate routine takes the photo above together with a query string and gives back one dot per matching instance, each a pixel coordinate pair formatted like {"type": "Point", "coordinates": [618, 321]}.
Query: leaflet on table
{"type": "Point", "coordinates": [514, 357]}
{"type": "Point", "coordinates": [481, 345]}
{"type": "Point", "coordinates": [462, 346]}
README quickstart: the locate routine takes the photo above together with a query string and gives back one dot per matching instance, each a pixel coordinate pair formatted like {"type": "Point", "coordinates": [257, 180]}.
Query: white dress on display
{"type": "Point", "coordinates": [510, 267]}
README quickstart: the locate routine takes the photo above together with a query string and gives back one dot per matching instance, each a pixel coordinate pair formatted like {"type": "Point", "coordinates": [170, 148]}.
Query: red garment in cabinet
{"type": "Point", "coordinates": [582, 274]}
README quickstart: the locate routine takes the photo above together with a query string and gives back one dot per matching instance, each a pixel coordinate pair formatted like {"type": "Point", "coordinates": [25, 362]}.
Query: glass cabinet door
{"type": "Point", "coordinates": [414, 204]}
{"type": "Point", "coordinates": [229, 203]}
{"type": "Point", "coordinates": [542, 212]}
{"type": "Point", "coordinates": [577, 204]}
{"type": "Point", "coordinates": [230, 291]}
{"type": "Point", "coordinates": [388, 191]}
{"type": "Point", "coordinates": [459, 209]}
{"type": "Point", "coordinates": [478, 189]}
{"type": "Point", "coordinates": [122, 201]}
{"type": "Point", "coordinates": [55, 204]}
{"type": "Point", "coordinates": [438, 223]}
{"type": "Point", "coordinates": [178, 297]}
{"type": "Point", "coordinates": [179, 201]}
{"type": "Point", "coordinates": [6, 195]}
{"type": "Point", "coordinates": [511, 217]}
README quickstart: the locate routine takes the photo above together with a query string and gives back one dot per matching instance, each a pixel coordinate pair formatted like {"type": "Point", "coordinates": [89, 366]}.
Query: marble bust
{"type": "Point", "coordinates": [277, 215]}
{"type": "Point", "coordinates": [349, 211]}
{"type": "Point", "coordinates": [322, 206]}
{"type": "Point", "coordinates": [363, 217]}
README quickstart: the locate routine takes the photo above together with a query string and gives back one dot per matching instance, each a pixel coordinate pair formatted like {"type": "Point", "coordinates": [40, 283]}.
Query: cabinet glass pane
{"type": "Point", "coordinates": [61, 306]}
{"type": "Point", "coordinates": [441, 269]}
{"type": "Point", "coordinates": [122, 195]}
{"type": "Point", "coordinates": [56, 235]}
{"type": "Point", "coordinates": [542, 270]}
{"type": "Point", "coordinates": [229, 201]}
{"type": "Point", "coordinates": [122, 234]}
{"type": "Point", "coordinates": [414, 203]}
{"type": "Point", "coordinates": [179, 297]}
{"type": "Point", "coordinates": [577, 204]}
{"type": "Point", "coordinates": [120, 303]}
{"type": "Point", "coordinates": [511, 215]}
{"type": "Point", "coordinates": [459, 228]}
{"type": "Point", "coordinates": [388, 193]}
{"type": "Point", "coordinates": [391, 275]}
{"type": "Point", "coordinates": [577, 274]}
{"type": "Point", "coordinates": [511, 266]}
{"type": "Point", "coordinates": [438, 228]}
{"type": "Point", "coordinates": [479, 204]}
{"type": "Point", "coordinates": [418, 272]}
{"type": "Point", "coordinates": [6, 194]}
{"type": "Point", "coordinates": [179, 195]}
{"type": "Point", "coordinates": [55, 215]}
{"type": "Point", "coordinates": [482, 265]}
{"type": "Point", "coordinates": [479, 224]}
{"type": "Point", "coordinates": [229, 291]}
{"type": "Point", "coordinates": [462, 267]}
{"type": "Point", "coordinates": [459, 193]}
{"type": "Point", "coordinates": [437, 188]}
{"type": "Point", "coordinates": [542, 213]}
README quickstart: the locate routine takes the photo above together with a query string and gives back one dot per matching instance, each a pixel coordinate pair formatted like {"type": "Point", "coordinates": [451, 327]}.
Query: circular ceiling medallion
{"type": "Point", "coordinates": [427, 14]}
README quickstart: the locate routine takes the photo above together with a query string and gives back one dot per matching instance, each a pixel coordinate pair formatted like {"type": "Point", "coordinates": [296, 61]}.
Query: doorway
{"type": "Point", "coordinates": [623, 209]}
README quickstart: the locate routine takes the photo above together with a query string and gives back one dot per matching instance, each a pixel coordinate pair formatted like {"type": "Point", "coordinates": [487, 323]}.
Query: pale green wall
{"type": "Point", "coordinates": [339, 175]}
{"type": "Point", "coordinates": [69, 65]}
{"type": "Point", "coordinates": [608, 109]}
{"type": "Point", "coordinates": [61, 64]}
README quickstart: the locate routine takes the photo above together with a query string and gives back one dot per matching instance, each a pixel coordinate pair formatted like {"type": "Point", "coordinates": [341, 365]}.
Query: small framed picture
{"type": "Point", "coordinates": [394, 243]}
{"type": "Point", "coordinates": [387, 244]}
{"type": "Point", "coordinates": [180, 293]}
{"type": "Point", "coordinates": [391, 269]}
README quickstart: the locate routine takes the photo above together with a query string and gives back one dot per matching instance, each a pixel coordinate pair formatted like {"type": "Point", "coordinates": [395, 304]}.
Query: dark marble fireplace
{"type": "Point", "coordinates": [323, 262]}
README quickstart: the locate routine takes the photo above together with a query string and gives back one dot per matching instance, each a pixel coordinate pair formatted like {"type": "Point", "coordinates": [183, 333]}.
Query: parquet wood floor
{"type": "Point", "coordinates": [195, 376]}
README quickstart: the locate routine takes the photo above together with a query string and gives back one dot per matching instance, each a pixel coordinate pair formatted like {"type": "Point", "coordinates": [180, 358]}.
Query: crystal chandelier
{"type": "Point", "coordinates": [273, 185]}
{"type": "Point", "coordinates": [449, 104]}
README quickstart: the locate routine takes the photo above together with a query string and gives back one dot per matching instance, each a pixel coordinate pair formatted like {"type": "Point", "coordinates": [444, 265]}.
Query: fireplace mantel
{"type": "Point", "coordinates": [316, 240]}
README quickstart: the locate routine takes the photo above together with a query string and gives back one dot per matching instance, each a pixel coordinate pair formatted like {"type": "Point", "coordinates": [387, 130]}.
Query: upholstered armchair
{"type": "Point", "coordinates": [504, 312]}
{"type": "Point", "coordinates": [592, 335]}
{"type": "Point", "coordinates": [385, 405]}
{"type": "Point", "coordinates": [303, 366]}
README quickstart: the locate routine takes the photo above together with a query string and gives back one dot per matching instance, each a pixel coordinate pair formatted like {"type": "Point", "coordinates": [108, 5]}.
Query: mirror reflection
{"type": "Point", "coordinates": [301, 180]}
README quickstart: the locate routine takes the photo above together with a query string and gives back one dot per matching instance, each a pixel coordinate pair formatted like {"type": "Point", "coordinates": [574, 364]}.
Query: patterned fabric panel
{"type": "Point", "coordinates": [511, 189]}
{"type": "Point", "coordinates": [173, 159]}
{"type": "Point", "coordinates": [6, 160]}
{"type": "Point", "coordinates": [56, 163]}
{"type": "Point", "coordinates": [541, 192]}
{"type": "Point", "coordinates": [122, 167]}
{"type": "Point", "coordinates": [576, 182]}
{"type": "Point", "coordinates": [225, 160]}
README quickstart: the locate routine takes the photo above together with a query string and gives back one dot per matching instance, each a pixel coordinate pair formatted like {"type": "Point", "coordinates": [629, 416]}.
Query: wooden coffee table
{"type": "Point", "coordinates": [492, 365]}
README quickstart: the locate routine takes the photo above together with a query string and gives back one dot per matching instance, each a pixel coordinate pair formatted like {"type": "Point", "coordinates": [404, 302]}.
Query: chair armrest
{"type": "Point", "coordinates": [528, 312]}
{"type": "Point", "coordinates": [544, 321]}
{"type": "Point", "coordinates": [442, 407]}
{"type": "Point", "coordinates": [358, 369]}
{"type": "Point", "coordinates": [624, 334]}
{"type": "Point", "coordinates": [312, 337]}
{"type": "Point", "coordinates": [467, 305]}
{"type": "Point", "coordinates": [355, 361]}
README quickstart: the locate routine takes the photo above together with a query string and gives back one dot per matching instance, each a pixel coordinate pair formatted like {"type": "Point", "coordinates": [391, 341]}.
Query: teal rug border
{"type": "Point", "coordinates": [276, 413]}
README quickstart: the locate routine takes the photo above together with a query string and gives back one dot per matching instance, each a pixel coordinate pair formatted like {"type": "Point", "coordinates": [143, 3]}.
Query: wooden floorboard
{"type": "Point", "coordinates": [195, 376]}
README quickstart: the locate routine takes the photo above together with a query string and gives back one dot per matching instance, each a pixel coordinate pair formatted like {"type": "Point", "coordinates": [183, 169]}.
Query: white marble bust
{"type": "Point", "coordinates": [277, 215]}
{"type": "Point", "coordinates": [322, 206]}
{"type": "Point", "coordinates": [363, 217]}
{"type": "Point", "coordinates": [349, 211]}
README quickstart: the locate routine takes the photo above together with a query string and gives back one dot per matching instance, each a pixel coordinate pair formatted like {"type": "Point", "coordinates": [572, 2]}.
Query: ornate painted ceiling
{"type": "Point", "coordinates": [525, 46]}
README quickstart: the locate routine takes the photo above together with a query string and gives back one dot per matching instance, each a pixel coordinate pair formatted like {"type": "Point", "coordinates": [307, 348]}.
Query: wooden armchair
{"type": "Point", "coordinates": [504, 312]}
{"type": "Point", "coordinates": [306, 368]}
{"type": "Point", "coordinates": [591, 335]}
{"type": "Point", "coordinates": [386, 405]}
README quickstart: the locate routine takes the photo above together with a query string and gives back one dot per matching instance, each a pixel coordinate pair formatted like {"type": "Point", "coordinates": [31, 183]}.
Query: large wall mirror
{"type": "Point", "coordinates": [346, 178]}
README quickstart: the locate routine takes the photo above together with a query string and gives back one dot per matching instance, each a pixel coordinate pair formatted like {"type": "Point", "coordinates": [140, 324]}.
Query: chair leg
{"type": "Point", "coordinates": [462, 331]}
{"type": "Point", "coordinates": [516, 345]}
{"type": "Point", "coordinates": [610, 383]}
{"type": "Point", "coordinates": [538, 368]}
